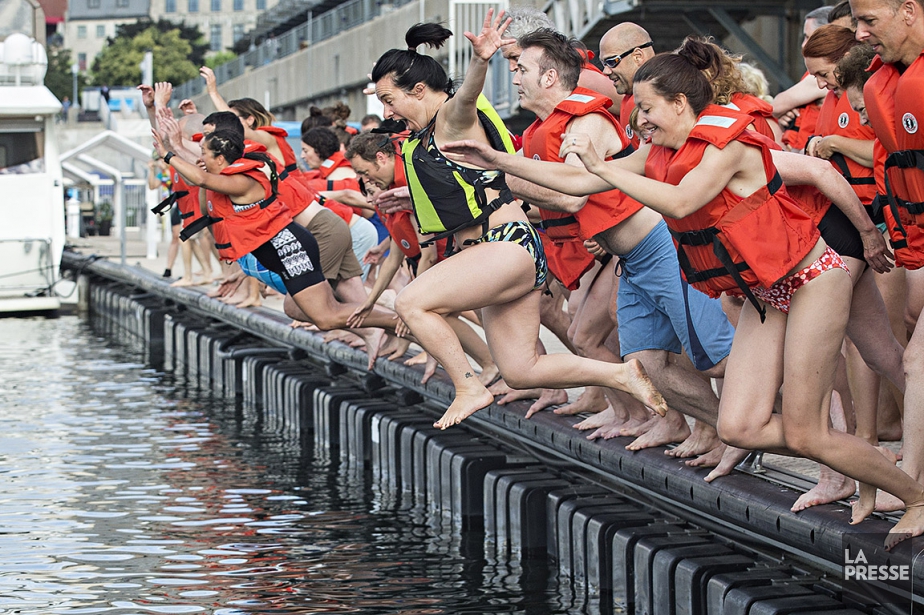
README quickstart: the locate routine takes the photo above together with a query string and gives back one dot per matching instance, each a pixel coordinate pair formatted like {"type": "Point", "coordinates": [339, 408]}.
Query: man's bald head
{"type": "Point", "coordinates": [629, 46]}
{"type": "Point", "coordinates": [190, 125]}
{"type": "Point", "coordinates": [625, 36]}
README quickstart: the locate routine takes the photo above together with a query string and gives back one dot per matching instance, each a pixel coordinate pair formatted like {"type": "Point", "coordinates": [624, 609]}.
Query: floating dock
{"type": "Point", "coordinates": [635, 532]}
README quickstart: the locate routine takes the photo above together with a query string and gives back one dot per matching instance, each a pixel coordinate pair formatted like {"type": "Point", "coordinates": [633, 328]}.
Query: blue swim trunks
{"type": "Point", "coordinates": [658, 310]}
{"type": "Point", "coordinates": [252, 267]}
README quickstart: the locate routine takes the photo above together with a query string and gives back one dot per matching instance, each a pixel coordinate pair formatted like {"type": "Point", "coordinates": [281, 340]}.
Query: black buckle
{"type": "Point", "coordinates": [553, 222]}
{"type": "Point", "coordinates": [775, 184]}
{"type": "Point", "coordinates": [702, 237]}
{"type": "Point", "coordinates": [197, 225]}
{"type": "Point", "coordinates": [905, 159]}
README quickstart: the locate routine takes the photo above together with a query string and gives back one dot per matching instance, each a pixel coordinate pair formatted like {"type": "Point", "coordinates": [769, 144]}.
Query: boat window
{"type": "Point", "coordinates": [21, 147]}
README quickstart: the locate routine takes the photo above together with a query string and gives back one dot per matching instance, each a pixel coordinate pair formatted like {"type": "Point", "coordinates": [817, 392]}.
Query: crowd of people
{"type": "Point", "coordinates": [740, 270]}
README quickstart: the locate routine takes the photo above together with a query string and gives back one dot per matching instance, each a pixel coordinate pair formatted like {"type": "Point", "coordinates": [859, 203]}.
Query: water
{"type": "Point", "coordinates": [121, 493]}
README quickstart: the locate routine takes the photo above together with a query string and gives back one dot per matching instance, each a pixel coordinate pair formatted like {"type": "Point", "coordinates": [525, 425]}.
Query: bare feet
{"type": "Point", "coordinates": [832, 486]}
{"type": "Point", "coordinates": [463, 406]}
{"type": "Point", "coordinates": [489, 374]}
{"type": "Point", "coordinates": [418, 359]}
{"type": "Point", "coordinates": [499, 388]}
{"type": "Point", "coordinates": [708, 460]}
{"type": "Point", "coordinates": [600, 419]}
{"type": "Point", "coordinates": [251, 301]}
{"type": "Point", "coordinates": [518, 394]}
{"type": "Point", "coordinates": [886, 502]}
{"type": "Point", "coordinates": [548, 397]}
{"type": "Point", "coordinates": [429, 369]}
{"type": "Point", "coordinates": [670, 428]}
{"type": "Point", "coordinates": [635, 427]}
{"type": "Point", "coordinates": [591, 400]}
{"type": "Point", "coordinates": [394, 347]}
{"type": "Point", "coordinates": [184, 281]}
{"type": "Point", "coordinates": [639, 385]}
{"type": "Point", "coordinates": [703, 439]}
{"type": "Point", "coordinates": [373, 338]}
{"type": "Point", "coordinates": [730, 458]}
{"type": "Point", "coordinates": [911, 524]}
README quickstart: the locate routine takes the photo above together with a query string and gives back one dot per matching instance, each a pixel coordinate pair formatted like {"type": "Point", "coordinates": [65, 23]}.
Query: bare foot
{"type": "Point", "coordinates": [591, 400]}
{"type": "Point", "coordinates": [184, 281]}
{"type": "Point", "coordinates": [549, 397]}
{"type": "Point", "coordinates": [394, 347]}
{"type": "Point", "coordinates": [730, 458]}
{"type": "Point", "coordinates": [670, 428]}
{"type": "Point", "coordinates": [373, 338]}
{"type": "Point", "coordinates": [598, 420]}
{"type": "Point", "coordinates": [429, 369]}
{"type": "Point", "coordinates": [256, 301]}
{"type": "Point", "coordinates": [708, 460]}
{"type": "Point", "coordinates": [886, 502]}
{"type": "Point", "coordinates": [635, 427]}
{"type": "Point", "coordinates": [301, 324]}
{"type": "Point", "coordinates": [518, 394]}
{"type": "Point", "coordinates": [703, 439]}
{"type": "Point", "coordinates": [418, 359]}
{"type": "Point", "coordinates": [463, 406]}
{"type": "Point", "coordinates": [911, 524]}
{"type": "Point", "coordinates": [489, 374]}
{"type": "Point", "coordinates": [339, 335]}
{"type": "Point", "coordinates": [639, 385]}
{"type": "Point", "coordinates": [832, 486]}
{"type": "Point", "coordinates": [499, 388]}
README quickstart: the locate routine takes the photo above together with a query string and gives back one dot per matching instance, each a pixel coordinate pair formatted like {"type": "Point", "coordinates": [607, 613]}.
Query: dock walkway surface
{"type": "Point", "coordinates": [750, 507]}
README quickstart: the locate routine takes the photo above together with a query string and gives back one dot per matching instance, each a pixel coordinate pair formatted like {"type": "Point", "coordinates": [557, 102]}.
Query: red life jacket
{"type": "Point", "coordinates": [838, 118]}
{"type": "Point", "coordinates": [288, 154]}
{"type": "Point", "coordinates": [336, 161]}
{"type": "Point", "coordinates": [732, 244]}
{"type": "Point", "coordinates": [893, 103]}
{"type": "Point", "coordinates": [625, 111]}
{"type": "Point", "coordinates": [542, 141]}
{"type": "Point", "coordinates": [292, 192]}
{"type": "Point", "coordinates": [246, 227]}
{"type": "Point", "coordinates": [187, 203]}
{"type": "Point", "coordinates": [761, 112]}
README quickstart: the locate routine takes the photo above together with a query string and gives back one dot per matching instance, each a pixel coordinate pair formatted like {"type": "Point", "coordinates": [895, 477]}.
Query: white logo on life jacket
{"type": "Point", "coordinates": [176, 178]}
{"type": "Point", "coordinates": [843, 120]}
{"type": "Point", "coordinates": [536, 157]}
{"type": "Point", "coordinates": [405, 244]}
{"type": "Point", "coordinates": [629, 132]}
{"type": "Point", "coordinates": [209, 204]}
{"type": "Point", "coordinates": [910, 123]}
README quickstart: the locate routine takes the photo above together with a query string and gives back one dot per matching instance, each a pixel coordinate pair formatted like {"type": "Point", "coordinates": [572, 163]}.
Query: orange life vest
{"type": "Point", "coordinates": [292, 192]}
{"type": "Point", "coordinates": [625, 112]}
{"type": "Point", "coordinates": [893, 103]}
{"type": "Point", "coordinates": [186, 198]}
{"type": "Point", "coordinates": [246, 227]}
{"type": "Point", "coordinates": [838, 118]}
{"type": "Point", "coordinates": [288, 154]}
{"type": "Point", "coordinates": [732, 244]}
{"type": "Point", "coordinates": [761, 112]}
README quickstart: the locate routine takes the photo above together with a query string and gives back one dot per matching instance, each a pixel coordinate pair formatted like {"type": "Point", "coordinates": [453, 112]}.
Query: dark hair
{"type": "Point", "coordinates": [851, 69]}
{"type": "Point", "coordinates": [681, 72]}
{"type": "Point", "coordinates": [229, 144]}
{"type": "Point", "coordinates": [558, 52]}
{"type": "Point", "coordinates": [225, 120]}
{"type": "Point", "coordinates": [367, 144]}
{"type": "Point", "coordinates": [839, 11]}
{"type": "Point", "coordinates": [830, 42]}
{"type": "Point", "coordinates": [369, 119]}
{"type": "Point", "coordinates": [315, 119]}
{"type": "Point", "coordinates": [408, 68]}
{"type": "Point", "coordinates": [323, 140]}
{"type": "Point", "coordinates": [250, 107]}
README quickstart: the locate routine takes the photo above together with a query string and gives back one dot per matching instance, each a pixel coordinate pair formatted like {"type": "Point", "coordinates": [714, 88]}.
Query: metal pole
{"type": "Point", "coordinates": [75, 68]}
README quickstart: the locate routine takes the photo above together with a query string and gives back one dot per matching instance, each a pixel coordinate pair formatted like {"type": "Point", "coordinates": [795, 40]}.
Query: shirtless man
{"type": "Point", "coordinates": [658, 313]}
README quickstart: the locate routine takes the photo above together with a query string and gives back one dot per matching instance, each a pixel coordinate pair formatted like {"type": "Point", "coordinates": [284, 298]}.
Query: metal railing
{"type": "Point", "coordinates": [316, 29]}
{"type": "Point", "coordinates": [134, 192]}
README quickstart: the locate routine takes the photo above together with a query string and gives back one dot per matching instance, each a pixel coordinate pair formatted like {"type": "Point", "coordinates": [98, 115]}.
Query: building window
{"type": "Point", "coordinates": [261, 5]}
{"type": "Point", "coordinates": [238, 32]}
{"type": "Point", "coordinates": [93, 4]}
{"type": "Point", "coordinates": [193, 6]}
{"type": "Point", "coordinates": [170, 6]}
{"type": "Point", "coordinates": [100, 31]}
{"type": "Point", "coordinates": [216, 6]}
{"type": "Point", "coordinates": [238, 5]}
{"type": "Point", "coordinates": [215, 37]}
{"type": "Point", "coordinates": [82, 61]}
{"type": "Point", "coordinates": [81, 32]}
{"type": "Point", "coordinates": [122, 4]}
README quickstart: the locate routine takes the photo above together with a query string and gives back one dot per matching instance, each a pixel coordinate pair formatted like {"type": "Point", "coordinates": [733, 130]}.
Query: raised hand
{"type": "Point", "coordinates": [147, 95]}
{"type": "Point", "coordinates": [188, 107]}
{"type": "Point", "coordinates": [490, 39]}
{"type": "Point", "coordinates": [169, 127]}
{"type": "Point", "coordinates": [211, 84]}
{"type": "Point", "coordinates": [162, 92]}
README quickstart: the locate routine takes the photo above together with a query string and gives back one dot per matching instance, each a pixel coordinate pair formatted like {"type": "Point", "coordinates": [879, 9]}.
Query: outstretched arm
{"type": "Point", "coordinates": [460, 112]}
{"type": "Point", "coordinates": [211, 85]}
{"type": "Point", "coordinates": [796, 169]}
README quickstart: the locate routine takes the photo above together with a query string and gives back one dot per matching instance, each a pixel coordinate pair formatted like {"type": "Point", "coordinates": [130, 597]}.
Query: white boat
{"type": "Point", "coordinates": [32, 223]}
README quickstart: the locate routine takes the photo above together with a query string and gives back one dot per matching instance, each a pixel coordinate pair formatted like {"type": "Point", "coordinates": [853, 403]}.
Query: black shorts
{"type": "Point", "coordinates": [293, 254]}
{"type": "Point", "coordinates": [175, 219]}
{"type": "Point", "coordinates": [840, 234]}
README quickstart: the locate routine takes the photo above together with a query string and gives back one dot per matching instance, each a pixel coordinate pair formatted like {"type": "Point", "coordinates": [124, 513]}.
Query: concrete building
{"type": "Point", "coordinates": [90, 22]}
{"type": "Point", "coordinates": [222, 22]}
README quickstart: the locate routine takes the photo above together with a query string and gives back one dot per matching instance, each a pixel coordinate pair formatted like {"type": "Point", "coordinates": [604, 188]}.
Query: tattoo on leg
{"type": "Point", "coordinates": [469, 375]}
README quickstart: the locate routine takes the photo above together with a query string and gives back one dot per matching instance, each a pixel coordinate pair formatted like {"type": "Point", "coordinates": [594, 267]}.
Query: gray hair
{"type": "Point", "coordinates": [527, 20]}
{"type": "Point", "coordinates": [820, 15]}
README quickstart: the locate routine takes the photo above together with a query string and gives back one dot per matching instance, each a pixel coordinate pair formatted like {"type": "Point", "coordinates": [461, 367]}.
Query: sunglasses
{"type": "Point", "coordinates": [613, 61]}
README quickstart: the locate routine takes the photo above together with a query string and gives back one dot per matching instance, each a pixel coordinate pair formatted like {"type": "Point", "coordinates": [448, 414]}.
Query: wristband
{"type": "Point", "coordinates": [168, 156]}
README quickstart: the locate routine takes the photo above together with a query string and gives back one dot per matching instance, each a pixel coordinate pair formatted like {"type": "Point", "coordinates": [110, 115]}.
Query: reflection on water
{"type": "Point", "coordinates": [121, 494]}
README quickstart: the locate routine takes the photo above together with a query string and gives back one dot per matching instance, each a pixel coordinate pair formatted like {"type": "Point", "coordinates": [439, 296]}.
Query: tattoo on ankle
{"type": "Point", "coordinates": [469, 375]}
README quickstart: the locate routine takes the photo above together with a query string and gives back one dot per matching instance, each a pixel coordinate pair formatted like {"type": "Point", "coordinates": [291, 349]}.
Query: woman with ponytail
{"type": "Point", "coordinates": [738, 231]}
{"type": "Point", "coordinates": [500, 267]}
{"type": "Point", "coordinates": [248, 217]}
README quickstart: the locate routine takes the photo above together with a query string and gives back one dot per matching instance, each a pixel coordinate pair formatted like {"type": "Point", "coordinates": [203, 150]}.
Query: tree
{"type": "Point", "coordinates": [222, 57]}
{"type": "Point", "coordinates": [190, 34]}
{"type": "Point", "coordinates": [118, 64]}
{"type": "Point", "coordinates": [59, 78]}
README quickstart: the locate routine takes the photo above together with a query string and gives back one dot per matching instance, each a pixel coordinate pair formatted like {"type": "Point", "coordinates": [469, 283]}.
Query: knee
{"type": "Point", "coordinates": [737, 433]}
{"type": "Point", "coordinates": [517, 379]}
{"type": "Point", "coordinates": [801, 441]}
{"type": "Point", "coordinates": [406, 304]}
{"type": "Point", "coordinates": [291, 309]}
{"type": "Point", "coordinates": [913, 359]}
{"type": "Point", "coordinates": [654, 362]}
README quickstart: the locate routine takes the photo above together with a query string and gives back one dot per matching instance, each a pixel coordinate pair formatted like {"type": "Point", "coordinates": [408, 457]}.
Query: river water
{"type": "Point", "coordinates": [121, 492]}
